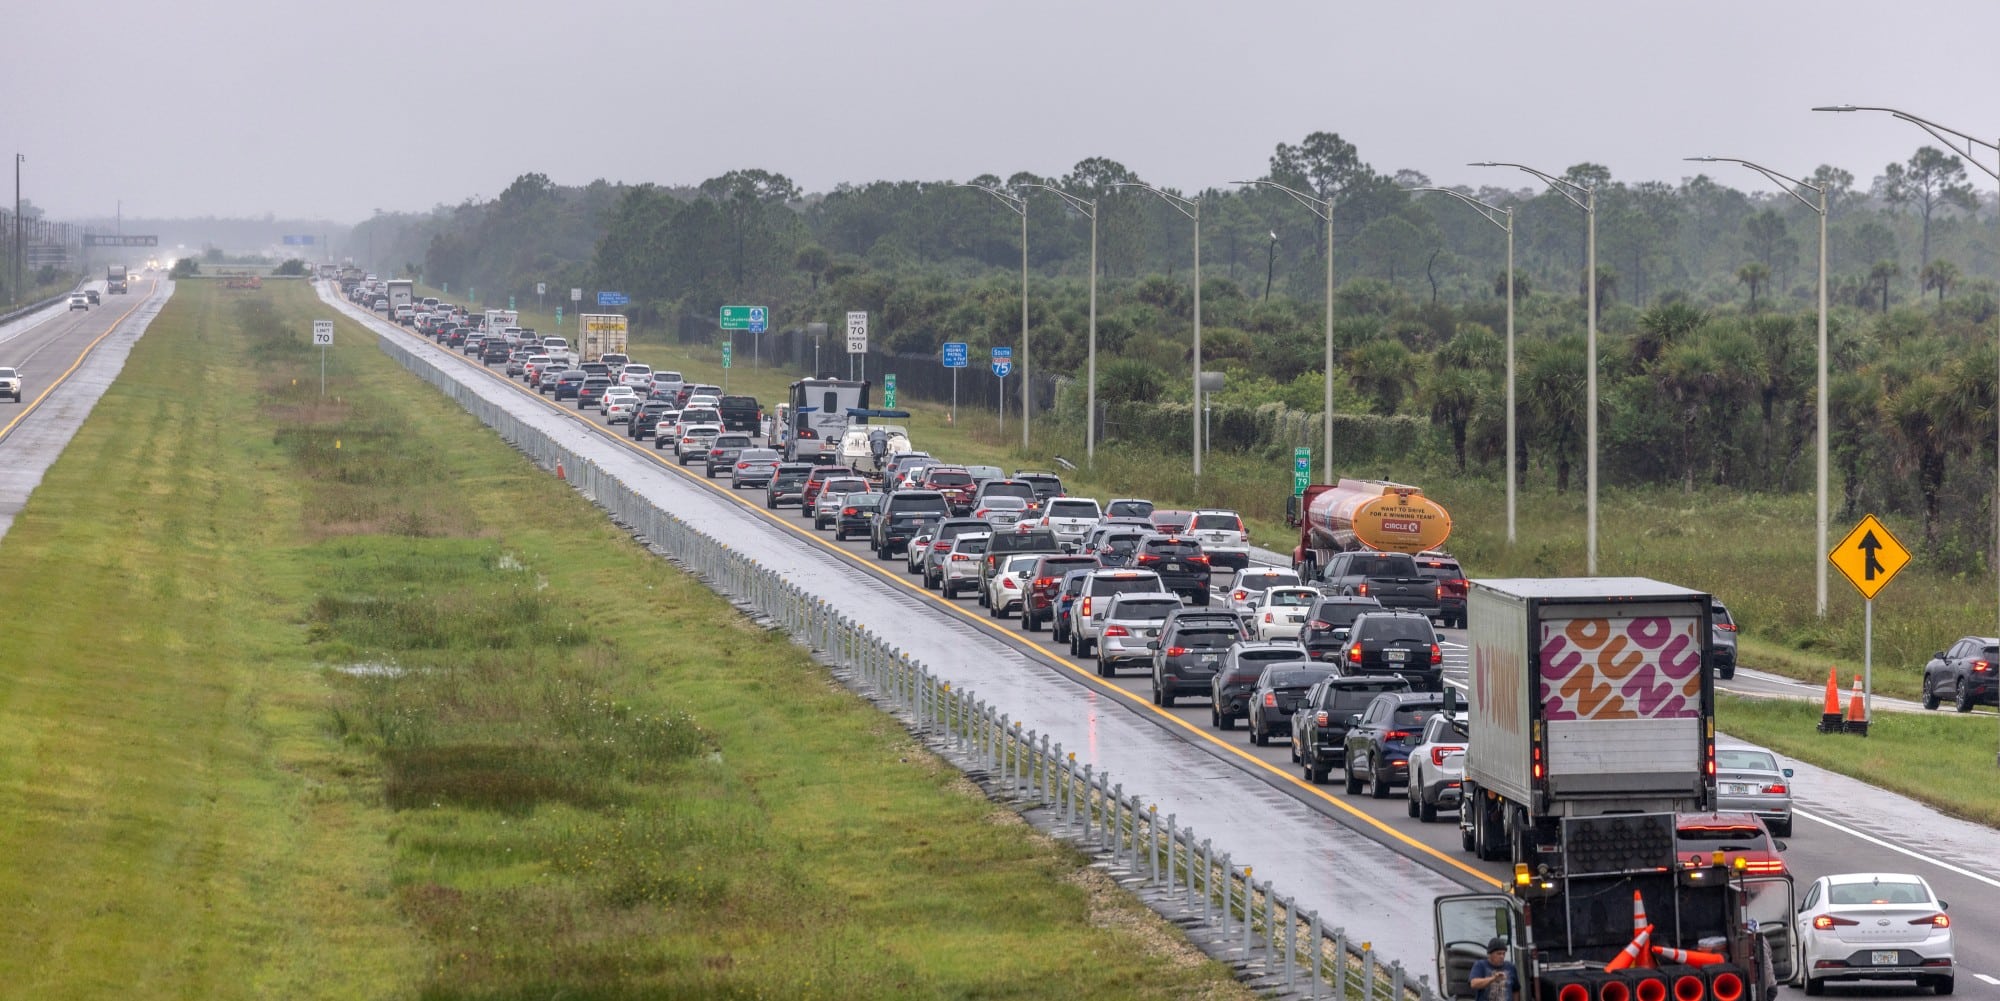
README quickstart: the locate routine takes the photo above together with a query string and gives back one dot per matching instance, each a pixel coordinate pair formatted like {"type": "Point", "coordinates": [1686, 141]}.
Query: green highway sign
{"type": "Point", "coordinates": [1302, 462]}
{"type": "Point", "coordinates": [559, 315]}
{"type": "Point", "coordinates": [744, 318]}
{"type": "Point", "coordinates": [889, 391]}
{"type": "Point", "coordinates": [727, 350]}
{"type": "Point", "coordinates": [510, 302]}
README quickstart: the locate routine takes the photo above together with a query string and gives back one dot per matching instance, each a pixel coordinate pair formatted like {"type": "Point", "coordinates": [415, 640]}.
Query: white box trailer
{"type": "Point", "coordinates": [1587, 696]}
{"type": "Point", "coordinates": [601, 334]}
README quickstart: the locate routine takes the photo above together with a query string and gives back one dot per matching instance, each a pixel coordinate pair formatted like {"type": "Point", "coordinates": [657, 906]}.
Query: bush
{"type": "Point", "coordinates": [291, 268]}
{"type": "Point", "coordinates": [184, 268]}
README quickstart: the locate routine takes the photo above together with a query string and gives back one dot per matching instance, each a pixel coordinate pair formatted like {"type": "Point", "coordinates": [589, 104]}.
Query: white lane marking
{"type": "Point", "coordinates": [1919, 856]}
{"type": "Point", "coordinates": [1991, 980]}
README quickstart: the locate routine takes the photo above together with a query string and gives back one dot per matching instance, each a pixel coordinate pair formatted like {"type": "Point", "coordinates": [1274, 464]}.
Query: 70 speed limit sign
{"type": "Point", "coordinates": [323, 333]}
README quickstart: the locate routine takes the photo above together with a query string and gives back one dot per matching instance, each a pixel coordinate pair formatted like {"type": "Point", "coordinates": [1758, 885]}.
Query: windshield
{"type": "Point", "coordinates": [1123, 543]}
{"type": "Point", "coordinates": [1021, 564]}
{"type": "Point", "coordinates": [1383, 566]}
{"type": "Point", "coordinates": [1720, 835]}
{"type": "Point", "coordinates": [1129, 509]}
{"type": "Point", "coordinates": [862, 500]}
{"type": "Point", "coordinates": [1124, 585]}
{"type": "Point", "coordinates": [1021, 490]}
{"type": "Point", "coordinates": [1218, 522]}
{"type": "Point", "coordinates": [1291, 597]}
{"type": "Point", "coordinates": [1761, 761]}
{"type": "Point", "coordinates": [1260, 581]}
{"type": "Point", "coordinates": [950, 478]}
{"type": "Point", "coordinates": [1073, 509]}
{"type": "Point", "coordinates": [1877, 892]}
{"type": "Point", "coordinates": [921, 505]}
{"type": "Point", "coordinates": [1355, 698]}
{"type": "Point", "coordinates": [6, 373]}
{"type": "Point", "coordinates": [1149, 609]}
{"type": "Point", "coordinates": [1387, 630]}
{"type": "Point", "coordinates": [1173, 547]}
{"type": "Point", "coordinates": [1206, 638]}
{"type": "Point", "coordinates": [1006, 504]}
{"type": "Point", "coordinates": [844, 486]}
{"type": "Point", "coordinates": [969, 544]}
{"type": "Point", "coordinates": [1303, 677]}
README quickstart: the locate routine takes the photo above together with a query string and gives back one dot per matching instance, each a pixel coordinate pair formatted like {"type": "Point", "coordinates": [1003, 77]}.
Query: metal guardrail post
{"type": "Point", "coordinates": [1315, 958]}
{"type": "Point", "coordinates": [1153, 843]}
{"type": "Point", "coordinates": [1208, 883]}
{"type": "Point", "coordinates": [1340, 953]}
{"type": "Point", "coordinates": [1396, 978]}
{"type": "Point", "coordinates": [1290, 912]}
{"type": "Point", "coordinates": [1087, 770]}
{"type": "Point", "coordinates": [1367, 970]}
{"type": "Point", "coordinates": [1045, 771]}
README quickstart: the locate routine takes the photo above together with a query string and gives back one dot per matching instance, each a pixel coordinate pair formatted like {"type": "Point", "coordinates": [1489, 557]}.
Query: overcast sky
{"type": "Point", "coordinates": [333, 110]}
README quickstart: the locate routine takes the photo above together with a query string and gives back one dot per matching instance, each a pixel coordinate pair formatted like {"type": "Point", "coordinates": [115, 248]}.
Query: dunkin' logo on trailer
{"type": "Point", "coordinates": [1640, 668]}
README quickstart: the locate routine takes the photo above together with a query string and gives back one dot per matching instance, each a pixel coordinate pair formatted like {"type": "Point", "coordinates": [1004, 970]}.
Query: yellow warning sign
{"type": "Point", "coordinates": [1869, 556]}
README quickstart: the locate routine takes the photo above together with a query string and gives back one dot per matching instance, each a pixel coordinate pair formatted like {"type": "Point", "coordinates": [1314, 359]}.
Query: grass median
{"type": "Point", "coordinates": [338, 697]}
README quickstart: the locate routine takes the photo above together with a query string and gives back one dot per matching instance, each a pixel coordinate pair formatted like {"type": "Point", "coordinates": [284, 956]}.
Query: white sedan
{"type": "Point", "coordinates": [1005, 588]}
{"type": "Point", "coordinates": [1280, 612]}
{"type": "Point", "coordinates": [1874, 926]}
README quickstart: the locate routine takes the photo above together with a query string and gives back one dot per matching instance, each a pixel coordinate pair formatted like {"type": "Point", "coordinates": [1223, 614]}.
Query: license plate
{"type": "Point", "coordinates": [1890, 958]}
{"type": "Point", "coordinates": [1173, 566]}
{"type": "Point", "coordinates": [1735, 789]}
{"type": "Point", "coordinates": [1395, 656]}
{"type": "Point", "coordinates": [1208, 658]}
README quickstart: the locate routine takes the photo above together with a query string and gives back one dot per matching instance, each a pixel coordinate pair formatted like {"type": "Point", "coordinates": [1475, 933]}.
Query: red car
{"type": "Point", "coordinates": [954, 482]}
{"type": "Point", "coordinates": [1044, 582]}
{"type": "Point", "coordinates": [1698, 836]}
{"type": "Point", "coordinates": [814, 481]}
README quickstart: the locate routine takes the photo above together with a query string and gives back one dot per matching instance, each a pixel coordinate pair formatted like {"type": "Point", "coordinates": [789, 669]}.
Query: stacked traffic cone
{"type": "Point", "coordinates": [1631, 953]}
{"type": "Point", "coordinates": [1857, 711]}
{"type": "Point", "coordinates": [1640, 926]}
{"type": "Point", "coordinates": [1830, 720]}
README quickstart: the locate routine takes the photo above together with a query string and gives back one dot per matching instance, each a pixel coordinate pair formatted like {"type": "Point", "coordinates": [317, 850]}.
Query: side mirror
{"type": "Point", "coordinates": [1788, 773]}
{"type": "Point", "coordinates": [1153, 644]}
{"type": "Point", "coordinates": [1353, 719]}
{"type": "Point", "coordinates": [1938, 655]}
{"type": "Point", "coordinates": [1781, 846]}
{"type": "Point", "coordinates": [1944, 905]}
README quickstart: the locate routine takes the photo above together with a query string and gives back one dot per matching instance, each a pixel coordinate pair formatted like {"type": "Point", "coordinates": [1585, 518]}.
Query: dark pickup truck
{"type": "Point", "coordinates": [1390, 578]}
{"type": "Point", "coordinates": [742, 413]}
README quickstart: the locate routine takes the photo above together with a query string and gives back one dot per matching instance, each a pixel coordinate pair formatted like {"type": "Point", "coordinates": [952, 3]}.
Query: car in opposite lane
{"type": "Point", "coordinates": [1965, 673]}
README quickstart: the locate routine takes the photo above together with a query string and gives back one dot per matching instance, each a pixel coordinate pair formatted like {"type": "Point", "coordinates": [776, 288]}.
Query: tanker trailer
{"type": "Point", "coordinates": [1364, 514]}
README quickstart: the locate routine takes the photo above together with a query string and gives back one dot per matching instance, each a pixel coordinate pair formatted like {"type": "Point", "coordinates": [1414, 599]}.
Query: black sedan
{"type": "Point", "coordinates": [1279, 693]}
{"type": "Point", "coordinates": [857, 515]}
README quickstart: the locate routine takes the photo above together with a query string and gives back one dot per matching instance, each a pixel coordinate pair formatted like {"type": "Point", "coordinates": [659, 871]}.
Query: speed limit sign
{"type": "Point", "coordinates": [323, 333]}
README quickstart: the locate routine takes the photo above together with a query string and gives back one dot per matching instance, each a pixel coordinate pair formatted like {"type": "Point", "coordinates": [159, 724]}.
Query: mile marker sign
{"type": "Point", "coordinates": [1869, 556]}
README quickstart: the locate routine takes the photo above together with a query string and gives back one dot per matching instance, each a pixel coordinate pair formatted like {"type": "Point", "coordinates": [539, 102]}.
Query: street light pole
{"type": "Point", "coordinates": [1087, 206]}
{"type": "Point", "coordinates": [1503, 218]}
{"type": "Point", "coordinates": [1967, 146]}
{"type": "Point", "coordinates": [1190, 207]}
{"type": "Point", "coordinates": [1323, 208]}
{"type": "Point", "coordinates": [19, 158]}
{"type": "Point", "coordinates": [1582, 196]}
{"type": "Point", "coordinates": [1021, 207]}
{"type": "Point", "coordinates": [1791, 186]}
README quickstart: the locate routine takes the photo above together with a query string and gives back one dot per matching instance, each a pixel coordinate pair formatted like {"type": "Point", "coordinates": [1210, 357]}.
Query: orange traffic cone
{"type": "Point", "coordinates": [1632, 952]}
{"type": "Point", "coordinates": [1640, 924]}
{"type": "Point", "coordinates": [1857, 711]}
{"type": "Point", "coordinates": [1830, 720]}
{"type": "Point", "coordinates": [559, 470]}
{"type": "Point", "coordinates": [1691, 957]}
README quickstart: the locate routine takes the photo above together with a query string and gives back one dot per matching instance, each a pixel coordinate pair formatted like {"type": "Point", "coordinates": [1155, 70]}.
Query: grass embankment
{"type": "Point", "coordinates": [338, 697]}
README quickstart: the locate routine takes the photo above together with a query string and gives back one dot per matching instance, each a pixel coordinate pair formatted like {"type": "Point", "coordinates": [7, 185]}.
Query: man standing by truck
{"type": "Point", "coordinates": [1495, 978]}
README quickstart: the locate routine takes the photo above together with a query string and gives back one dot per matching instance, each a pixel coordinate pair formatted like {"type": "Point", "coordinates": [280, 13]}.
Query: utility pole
{"type": "Point", "coordinates": [19, 158]}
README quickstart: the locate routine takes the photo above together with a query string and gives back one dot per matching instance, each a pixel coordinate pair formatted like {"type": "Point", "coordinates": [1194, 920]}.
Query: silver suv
{"type": "Point", "coordinates": [1131, 621]}
{"type": "Point", "coordinates": [1222, 537]}
{"type": "Point", "coordinates": [1087, 615]}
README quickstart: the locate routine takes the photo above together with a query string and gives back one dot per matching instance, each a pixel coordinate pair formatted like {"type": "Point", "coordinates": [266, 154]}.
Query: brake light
{"type": "Point", "coordinates": [743, 465]}
{"type": "Point", "coordinates": [1441, 752]}
{"type": "Point", "coordinates": [1935, 921]}
{"type": "Point", "coordinates": [1982, 666]}
{"type": "Point", "coordinates": [1536, 756]}
{"type": "Point", "coordinates": [1267, 616]}
{"type": "Point", "coordinates": [1396, 735]}
{"type": "Point", "coordinates": [1116, 631]}
{"type": "Point", "coordinates": [1148, 558]}
{"type": "Point", "coordinates": [715, 451]}
{"type": "Point", "coordinates": [1775, 790]}
{"type": "Point", "coordinates": [960, 558]}
{"type": "Point", "coordinates": [1320, 624]}
{"type": "Point", "coordinates": [1176, 651]}
{"type": "Point", "coordinates": [847, 510]}
{"type": "Point", "coordinates": [1044, 582]}
{"type": "Point", "coordinates": [1727, 627]}
{"type": "Point", "coordinates": [1361, 589]}
{"type": "Point", "coordinates": [1354, 654]}
{"type": "Point", "coordinates": [1437, 655]}
{"type": "Point", "coordinates": [1440, 592]}
{"type": "Point", "coordinates": [1768, 866]}
{"type": "Point", "coordinates": [1240, 528]}
{"type": "Point", "coordinates": [1271, 700]}
{"type": "Point", "coordinates": [1203, 560]}
{"type": "Point", "coordinates": [1086, 606]}
{"type": "Point", "coordinates": [1319, 718]}
{"type": "Point", "coordinates": [981, 513]}
{"type": "Point", "coordinates": [1826, 921]}
{"type": "Point", "coordinates": [1008, 583]}
{"type": "Point", "coordinates": [808, 433]}
{"type": "Point", "coordinates": [1239, 594]}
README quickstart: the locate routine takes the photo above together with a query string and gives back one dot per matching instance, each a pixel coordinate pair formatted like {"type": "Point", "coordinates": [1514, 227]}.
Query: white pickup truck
{"type": "Point", "coordinates": [10, 384]}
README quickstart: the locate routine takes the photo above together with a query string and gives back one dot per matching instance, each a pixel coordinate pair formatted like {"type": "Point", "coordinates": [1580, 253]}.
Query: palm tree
{"type": "Point", "coordinates": [1384, 370]}
{"type": "Point", "coordinates": [1552, 388]}
{"type": "Point", "coordinates": [1881, 275]}
{"type": "Point", "coordinates": [1941, 275]}
{"type": "Point", "coordinates": [1688, 374]}
{"type": "Point", "coordinates": [1928, 419]}
{"type": "Point", "coordinates": [1453, 396]}
{"type": "Point", "coordinates": [1664, 326]}
{"type": "Point", "coordinates": [1756, 275]}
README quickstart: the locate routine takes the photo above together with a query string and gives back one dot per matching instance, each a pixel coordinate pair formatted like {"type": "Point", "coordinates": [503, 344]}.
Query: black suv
{"type": "Point", "coordinates": [568, 384]}
{"type": "Point", "coordinates": [645, 421]}
{"type": "Point", "coordinates": [1399, 643]}
{"type": "Point", "coordinates": [1378, 745]}
{"type": "Point", "coordinates": [1325, 634]}
{"type": "Point", "coordinates": [1722, 640]}
{"type": "Point", "coordinates": [1045, 484]}
{"type": "Point", "coordinates": [1179, 561]}
{"type": "Point", "coordinates": [1965, 672]}
{"type": "Point", "coordinates": [1189, 651]}
{"type": "Point", "coordinates": [896, 524]}
{"type": "Point", "coordinates": [788, 484]}
{"type": "Point", "coordinates": [1320, 725]}
{"type": "Point", "coordinates": [1229, 693]}
{"type": "Point", "coordinates": [1449, 577]}
{"type": "Point", "coordinates": [1279, 694]}
{"type": "Point", "coordinates": [591, 393]}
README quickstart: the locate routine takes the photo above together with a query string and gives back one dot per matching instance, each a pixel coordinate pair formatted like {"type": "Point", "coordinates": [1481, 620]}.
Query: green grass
{"type": "Point", "coordinates": [1944, 759]}
{"type": "Point", "coordinates": [339, 697]}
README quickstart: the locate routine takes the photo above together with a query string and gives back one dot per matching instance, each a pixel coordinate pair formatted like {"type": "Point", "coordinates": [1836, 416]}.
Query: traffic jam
{"type": "Point", "coordinates": [1601, 790]}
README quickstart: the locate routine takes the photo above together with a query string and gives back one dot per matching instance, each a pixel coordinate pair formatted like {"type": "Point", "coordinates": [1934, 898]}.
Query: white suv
{"type": "Point", "coordinates": [1070, 518]}
{"type": "Point", "coordinates": [1437, 766]}
{"type": "Point", "coordinates": [1222, 537]}
{"type": "Point", "coordinates": [637, 376]}
{"type": "Point", "coordinates": [79, 302]}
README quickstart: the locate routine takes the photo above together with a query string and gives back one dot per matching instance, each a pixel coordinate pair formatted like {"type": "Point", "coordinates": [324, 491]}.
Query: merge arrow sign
{"type": "Point", "coordinates": [1869, 557]}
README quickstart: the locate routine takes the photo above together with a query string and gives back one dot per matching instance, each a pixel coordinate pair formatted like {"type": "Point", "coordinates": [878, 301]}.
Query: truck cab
{"type": "Point", "coordinates": [1710, 931]}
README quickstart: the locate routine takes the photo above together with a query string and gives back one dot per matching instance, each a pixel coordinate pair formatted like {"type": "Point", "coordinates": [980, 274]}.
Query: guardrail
{"type": "Point", "coordinates": [1273, 943]}
{"type": "Point", "coordinates": [9, 317]}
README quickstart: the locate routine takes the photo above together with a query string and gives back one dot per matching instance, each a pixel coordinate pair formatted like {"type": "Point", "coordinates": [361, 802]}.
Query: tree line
{"type": "Point", "coordinates": [1706, 300]}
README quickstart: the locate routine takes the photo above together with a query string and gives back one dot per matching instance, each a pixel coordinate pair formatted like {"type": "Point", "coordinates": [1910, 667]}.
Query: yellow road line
{"type": "Point", "coordinates": [59, 380]}
{"type": "Point", "coordinates": [1010, 634]}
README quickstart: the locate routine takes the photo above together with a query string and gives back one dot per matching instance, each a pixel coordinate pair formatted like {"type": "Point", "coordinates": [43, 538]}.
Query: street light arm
{"type": "Point", "coordinates": [1186, 206]}
{"type": "Point", "coordinates": [1011, 200]}
{"type": "Point", "coordinates": [1087, 206]}
{"type": "Point", "coordinates": [1787, 182]}
{"type": "Point", "coordinates": [1501, 217]}
{"type": "Point", "coordinates": [1949, 136]}
{"type": "Point", "coordinates": [1322, 207]}
{"type": "Point", "coordinates": [1571, 191]}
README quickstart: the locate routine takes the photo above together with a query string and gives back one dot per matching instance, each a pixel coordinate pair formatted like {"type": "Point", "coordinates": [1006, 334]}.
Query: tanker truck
{"type": "Point", "coordinates": [1363, 514]}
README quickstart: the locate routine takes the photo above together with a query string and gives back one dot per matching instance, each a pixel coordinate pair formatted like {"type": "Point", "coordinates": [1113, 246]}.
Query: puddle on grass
{"type": "Point", "coordinates": [372, 670]}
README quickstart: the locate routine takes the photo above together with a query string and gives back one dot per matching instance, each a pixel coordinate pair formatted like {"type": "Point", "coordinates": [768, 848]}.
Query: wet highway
{"type": "Point", "coordinates": [67, 359]}
{"type": "Point", "coordinates": [1363, 862]}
